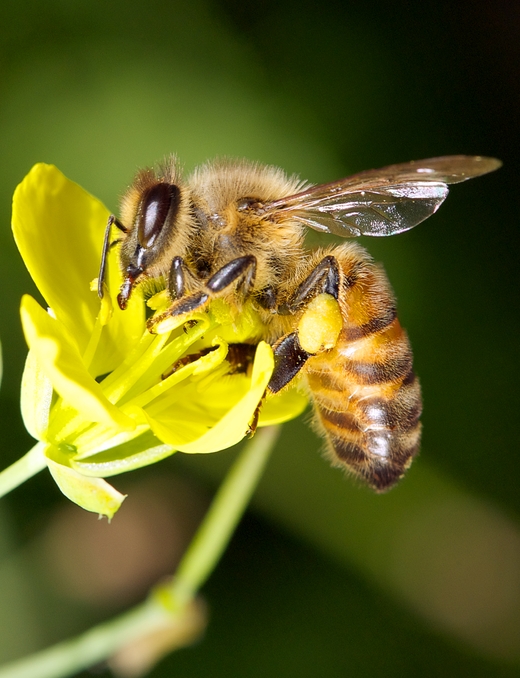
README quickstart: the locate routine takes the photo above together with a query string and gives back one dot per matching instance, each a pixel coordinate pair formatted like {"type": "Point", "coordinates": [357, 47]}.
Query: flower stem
{"type": "Point", "coordinates": [167, 601]}
{"type": "Point", "coordinates": [93, 646]}
{"type": "Point", "coordinates": [223, 516]}
{"type": "Point", "coordinates": [23, 469]}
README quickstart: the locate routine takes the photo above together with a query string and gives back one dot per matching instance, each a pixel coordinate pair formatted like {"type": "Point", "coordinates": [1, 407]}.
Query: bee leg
{"type": "Point", "coordinates": [289, 355]}
{"type": "Point", "coordinates": [242, 269]}
{"type": "Point", "coordinates": [324, 279]}
{"type": "Point", "coordinates": [254, 421]}
{"type": "Point", "coordinates": [189, 304]}
{"type": "Point", "coordinates": [289, 358]}
{"type": "Point", "coordinates": [179, 307]}
{"type": "Point", "coordinates": [267, 299]}
{"type": "Point", "coordinates": [177, 278]}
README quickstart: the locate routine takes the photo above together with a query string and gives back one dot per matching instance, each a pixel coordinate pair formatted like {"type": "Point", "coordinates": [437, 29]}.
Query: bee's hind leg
{"type": "Point", "coordinates": [289, 355]}
{"type": "Point", "coordinates": [289, 358]}
{"type": "Point", "coordinates": [323, 279]}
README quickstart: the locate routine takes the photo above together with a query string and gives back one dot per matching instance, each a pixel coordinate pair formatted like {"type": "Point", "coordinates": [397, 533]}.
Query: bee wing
{"type": "Point", "coordinates": [380, 202]}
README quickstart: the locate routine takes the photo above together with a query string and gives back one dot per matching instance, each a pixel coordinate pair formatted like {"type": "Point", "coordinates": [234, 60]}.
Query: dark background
{"type": "Point", "coordinates": [322, 578]}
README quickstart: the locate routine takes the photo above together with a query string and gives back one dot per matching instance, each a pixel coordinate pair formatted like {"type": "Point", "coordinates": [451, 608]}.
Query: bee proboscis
{"type": "Point", "coordinates": [236, 230]}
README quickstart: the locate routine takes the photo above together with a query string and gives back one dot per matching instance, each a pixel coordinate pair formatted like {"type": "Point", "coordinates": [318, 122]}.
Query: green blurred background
{"type": "Point", "coordinates": [323, 578]}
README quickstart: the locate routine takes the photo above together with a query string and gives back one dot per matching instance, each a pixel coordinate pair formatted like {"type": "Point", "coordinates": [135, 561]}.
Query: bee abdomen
{"type": "Point", "coordinates": [381, 458]}
{"type": "Point", "coordinates": [366, 372]}
{"type": "Point", "coordinates": [374, 435]}
{"type": "Point", "coordinates": [368, 403]}
{"type": "Point", "coordinates": [367, 400]}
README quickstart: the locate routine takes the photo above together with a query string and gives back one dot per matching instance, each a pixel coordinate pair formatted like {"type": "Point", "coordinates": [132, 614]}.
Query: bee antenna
{"type": "Point", "coordinates": [107, 245]}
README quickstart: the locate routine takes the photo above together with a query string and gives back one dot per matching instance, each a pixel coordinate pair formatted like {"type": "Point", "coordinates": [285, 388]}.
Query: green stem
{"type": "Point", "coordinates": [223, 516]}
{"type": "Point", "coordinates": [169, 601]}
{"type": "Point", "coordinates": [93, 646]}
{"type": "Point", "coordinates": [23, 469]}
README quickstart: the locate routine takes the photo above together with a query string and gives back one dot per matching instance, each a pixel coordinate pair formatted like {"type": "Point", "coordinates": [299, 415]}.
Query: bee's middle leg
{"type": "Point", "coordinates": [177, 289]}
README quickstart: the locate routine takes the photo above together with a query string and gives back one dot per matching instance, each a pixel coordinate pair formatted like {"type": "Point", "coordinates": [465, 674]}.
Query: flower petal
{"type": "Point", "coordinates": [281, 407]}
{"type": "Point", "coordinates": [233, 426]}
{"type": "Point", "coordinates": [58, 357]}
{"type": "Point", "coordinates": [125, 328]}
{"type": "Point", "coordinates": [92, 494]}
{"type": "Point", "coordinates": [36, 397]}
{"type": "Point", "coordinates": [58, 228]}
{"type": "Point", "coordinates": [193, 408]}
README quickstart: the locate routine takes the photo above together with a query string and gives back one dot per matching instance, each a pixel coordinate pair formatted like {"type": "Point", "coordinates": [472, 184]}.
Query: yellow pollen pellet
{"type": "Point", "coordinates": [320, 324]}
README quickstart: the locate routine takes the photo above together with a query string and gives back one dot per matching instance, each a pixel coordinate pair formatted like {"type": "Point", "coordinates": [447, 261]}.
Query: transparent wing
{"type": "Point", "coordinates": [379, 202]}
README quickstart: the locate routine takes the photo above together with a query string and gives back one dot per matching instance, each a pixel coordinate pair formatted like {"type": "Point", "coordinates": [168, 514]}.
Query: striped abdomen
{"type": "Point", "coordinates": [367, 399]}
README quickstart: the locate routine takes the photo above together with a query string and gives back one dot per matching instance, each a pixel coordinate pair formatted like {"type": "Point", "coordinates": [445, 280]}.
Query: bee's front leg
{"type": "Point", "coordinates": [241, 270]}
{"type": "Point", "coordinates": [289, 354]}
{"type": "Point", "coordinates": [177, 278]}
{"type": "Point", "coordinates": [177, 289]}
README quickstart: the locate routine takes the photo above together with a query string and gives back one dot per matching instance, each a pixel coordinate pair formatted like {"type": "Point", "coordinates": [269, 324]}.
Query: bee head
{"type": "Point", "coordinates": [151, 210]}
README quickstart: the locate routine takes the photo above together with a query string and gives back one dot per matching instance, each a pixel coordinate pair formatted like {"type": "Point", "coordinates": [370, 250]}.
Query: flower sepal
{"type": "Point", "coordinates": [92, 494]}
{"type": "Point", "coordinates": [141, 451]}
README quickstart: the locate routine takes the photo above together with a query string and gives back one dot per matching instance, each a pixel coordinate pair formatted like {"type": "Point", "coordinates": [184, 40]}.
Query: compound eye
{"type": "Point", "coordinates": [159, 202]}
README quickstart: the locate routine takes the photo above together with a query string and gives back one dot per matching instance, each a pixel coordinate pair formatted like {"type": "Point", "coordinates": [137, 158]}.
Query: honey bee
{"type": "Point", "coordinates": [236, 230]}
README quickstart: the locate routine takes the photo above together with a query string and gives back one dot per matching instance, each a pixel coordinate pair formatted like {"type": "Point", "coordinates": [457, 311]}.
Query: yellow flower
{"type": "Point", "coordinates": [98, 390]}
